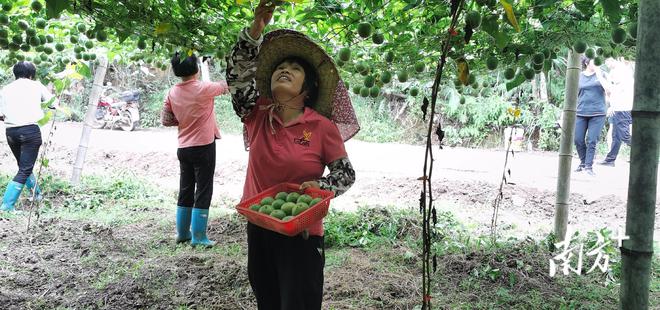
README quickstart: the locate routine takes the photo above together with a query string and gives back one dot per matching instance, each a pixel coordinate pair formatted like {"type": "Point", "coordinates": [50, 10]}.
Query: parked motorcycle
{"type": "Point", "coordinates": [118, 111]}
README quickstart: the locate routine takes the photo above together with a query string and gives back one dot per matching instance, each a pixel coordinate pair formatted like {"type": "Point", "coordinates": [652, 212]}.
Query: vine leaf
{"type": "Point", "coordinates": [490, 25]}
{"type": "Point", "coordinates": [612, 9]}
{"type": "Point", "coordinates": [468, 33]}
{"type": "Point", "coordinates": [425, 106]}
{"type": "Point", "coordinates": [441, 135]}
{"type": "Point", "coordinates": [45, 119]}
{"type": "Point", "coordinates": [517, 81]}
{"type": "Point", "coordinates": [508, 8]}
{"type": "Point", "coordinates": [463, 71]}
{"type": "Point", "coordinates": [501, 39]}
{"type": "Point", "coordinates": [162, 28]}
{"type": "Point", "coordinates": [55, 7]}
{"type": "Point", "coordinates": [586, 7]}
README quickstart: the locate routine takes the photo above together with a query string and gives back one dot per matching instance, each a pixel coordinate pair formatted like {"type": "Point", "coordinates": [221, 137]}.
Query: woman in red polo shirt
{"type": "Point", "coordinates": [297, 115]}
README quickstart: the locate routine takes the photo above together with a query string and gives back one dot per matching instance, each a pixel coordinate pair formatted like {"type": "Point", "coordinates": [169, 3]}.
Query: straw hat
{"type": "Point", "coordinates": [283, 43]}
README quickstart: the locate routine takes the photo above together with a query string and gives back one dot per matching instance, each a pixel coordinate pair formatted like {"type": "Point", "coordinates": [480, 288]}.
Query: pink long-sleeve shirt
{"type": "Point", "coordinates": [191, 103]}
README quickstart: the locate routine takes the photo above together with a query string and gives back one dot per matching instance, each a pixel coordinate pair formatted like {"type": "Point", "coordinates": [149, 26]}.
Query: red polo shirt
{"type": "Point", "coordinates": [296, 153]}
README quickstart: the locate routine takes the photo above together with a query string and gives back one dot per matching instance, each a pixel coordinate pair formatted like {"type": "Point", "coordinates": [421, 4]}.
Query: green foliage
{"type": "Point", "coordinates": [366, 227]}
{"type": "Point", "coordinates": [405, 41]}
{"type": "Point", "coordinates": [544, 122]}
{"type": "Point", "coordinates": [376, 125]}
{"type": "Point", "coordinates": [471, 123]}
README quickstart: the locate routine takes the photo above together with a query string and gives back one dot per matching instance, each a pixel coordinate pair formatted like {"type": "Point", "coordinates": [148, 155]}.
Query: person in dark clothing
{"type": "Point", "coordinates": [20, 105]}
{"type": "Point", "coordinates": [591, 113]}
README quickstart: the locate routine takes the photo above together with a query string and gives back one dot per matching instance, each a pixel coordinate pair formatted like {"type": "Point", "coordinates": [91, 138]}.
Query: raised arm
{"type": "Point", "coordinates": [242, 62]}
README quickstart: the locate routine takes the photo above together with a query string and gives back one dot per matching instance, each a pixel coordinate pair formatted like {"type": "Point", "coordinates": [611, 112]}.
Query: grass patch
{"type": "Point", "coordinates": [125, 247]}
{"type": "Point", "coordinates": [114, 201]}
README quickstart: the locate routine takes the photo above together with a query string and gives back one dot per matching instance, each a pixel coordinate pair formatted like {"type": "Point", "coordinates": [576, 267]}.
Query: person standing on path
{"type": "Point", "coordinates": [621, 101]}
{"type": "Point", "coordinates": [20, 105]}
{"type": "Point", "coordinates": [190, 106]}
{"type": "Point", "coordinates": [591, 113]}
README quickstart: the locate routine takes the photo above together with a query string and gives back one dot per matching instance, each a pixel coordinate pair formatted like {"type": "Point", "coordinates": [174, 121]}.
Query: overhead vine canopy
{"type": "Point", "coordinates": [383, 40]}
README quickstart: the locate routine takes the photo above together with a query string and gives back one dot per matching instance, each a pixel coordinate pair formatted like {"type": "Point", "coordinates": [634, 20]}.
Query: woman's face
{"type": "Point", "coordinates": [288, 77]}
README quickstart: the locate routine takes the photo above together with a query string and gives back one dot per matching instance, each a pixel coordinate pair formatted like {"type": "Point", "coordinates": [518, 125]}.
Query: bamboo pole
{"type": "Point", "coordinates": [566, 146]}
{"type": "Point", "coordinates": [94, 97]}
{"type": "Point", "coordinates": [637, 252]}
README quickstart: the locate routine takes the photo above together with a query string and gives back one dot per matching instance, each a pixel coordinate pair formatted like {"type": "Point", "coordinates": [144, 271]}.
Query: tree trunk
{"type": "Point", "coordinates": [548, 87]}
{"type": "Point", "coordinates": [543, 87]}
{"type": "Point", "coordinates": [637, 252]}
{"type": "Point", "coordinates": [94, 97]}
{"type": "Point", "coordinates": [566, 146]}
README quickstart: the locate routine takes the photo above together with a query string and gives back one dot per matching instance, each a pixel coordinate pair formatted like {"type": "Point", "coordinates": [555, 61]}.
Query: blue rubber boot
{"type": "Point", "coordinates": [12, 193]}
{"type": "Point", "coordinates": [200, 219]}
{"type": "Point", "coordinates": [183, 215]}
{"type": "Point", "coordinates": [31, 183]}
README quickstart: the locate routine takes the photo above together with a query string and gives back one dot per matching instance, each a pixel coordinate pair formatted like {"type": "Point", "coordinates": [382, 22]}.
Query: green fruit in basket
{"type": "Point", "coordinates": [304, 198]}
{"type": "Point", "coordinates": [315, 201]}
{"type": "Point", "coordinates": [255, 207]}
{"type": "Point", "coordinates": [288, 207]}
{"type": "Point", "coordinates": [267, 201]}
{"type": "Point", "coordinates": [292, 197]}
{"type": "Point", "coordinates": [300, 207]}
{"type": "Point", "coordinates": [267, 209]}
{"type": "Point", "coordinates": [279, 214]}
{"type": "Point", "coordinates": [281, 195]}
{"type": "Point", "coordinates": [287, 218]}
{"type": "Point", "coordinates": [277, 204]}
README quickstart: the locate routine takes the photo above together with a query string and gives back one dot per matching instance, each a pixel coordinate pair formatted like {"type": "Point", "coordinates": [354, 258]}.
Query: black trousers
{"type": "Point", "coordinates": [24, 142]}
{"type": "Point", "coordinates": [620, 123]}
{"type": "Point", "coordinates": [197, 166]}
{"type": "Point", "coordinates": [286, 273]}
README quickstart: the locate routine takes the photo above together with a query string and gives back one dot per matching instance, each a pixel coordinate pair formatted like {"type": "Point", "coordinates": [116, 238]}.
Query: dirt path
{"type": "Point", "coordinates": [386, 175]}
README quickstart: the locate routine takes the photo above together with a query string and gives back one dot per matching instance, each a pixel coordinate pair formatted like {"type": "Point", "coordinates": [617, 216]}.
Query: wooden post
{"type": "Point", "coordinates": [94, 97]}
{"type": "Point", "coordinates": [566, 146]}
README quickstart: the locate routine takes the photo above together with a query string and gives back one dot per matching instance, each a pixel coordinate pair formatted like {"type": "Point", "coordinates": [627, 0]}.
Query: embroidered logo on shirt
{"type": "Point", "coordinates": [305, 139]}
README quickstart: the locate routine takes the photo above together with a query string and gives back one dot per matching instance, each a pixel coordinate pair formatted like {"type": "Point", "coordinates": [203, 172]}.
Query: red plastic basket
{"type": "Point", "coordinates": [296, 225]}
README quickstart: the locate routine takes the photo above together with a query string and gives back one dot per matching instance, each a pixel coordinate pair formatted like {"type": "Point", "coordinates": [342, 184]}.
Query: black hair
{"type": "Point", "coordinates": [584, 60]}
{"type": "Point", "coordinates": [25, 70]}
{"type": "Point", "coordinates": [311, 83]}
{"type": "Point", "coordinates": [186, 67]}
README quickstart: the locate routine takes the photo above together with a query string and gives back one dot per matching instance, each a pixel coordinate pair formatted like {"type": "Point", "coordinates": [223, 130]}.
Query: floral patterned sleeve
{"type": "Point", "coordinates": [241, 73]}
{"type": "Point", "coordinates": [341, 177]}
{"type": "Point", "coordinates": [167, 117]}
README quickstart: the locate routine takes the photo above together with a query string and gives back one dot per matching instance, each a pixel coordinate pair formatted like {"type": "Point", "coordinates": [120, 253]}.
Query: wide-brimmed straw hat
{"type": "Point", "coordinates": [283, 43]}
{"type": "Point", "coordinates": [333, 100]}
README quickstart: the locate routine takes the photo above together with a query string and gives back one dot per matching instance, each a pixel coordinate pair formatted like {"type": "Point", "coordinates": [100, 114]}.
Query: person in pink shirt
{"type": "Point", "coordinates": [190, 106]}
{"type": "Point", "coordinates": [296, 114]}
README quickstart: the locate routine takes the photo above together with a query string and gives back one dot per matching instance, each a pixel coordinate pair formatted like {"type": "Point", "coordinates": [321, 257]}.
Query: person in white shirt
{"type": "Point", "coordinates": [621, 102]}
{"type": "Point", "coordinates": [20, 105]}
